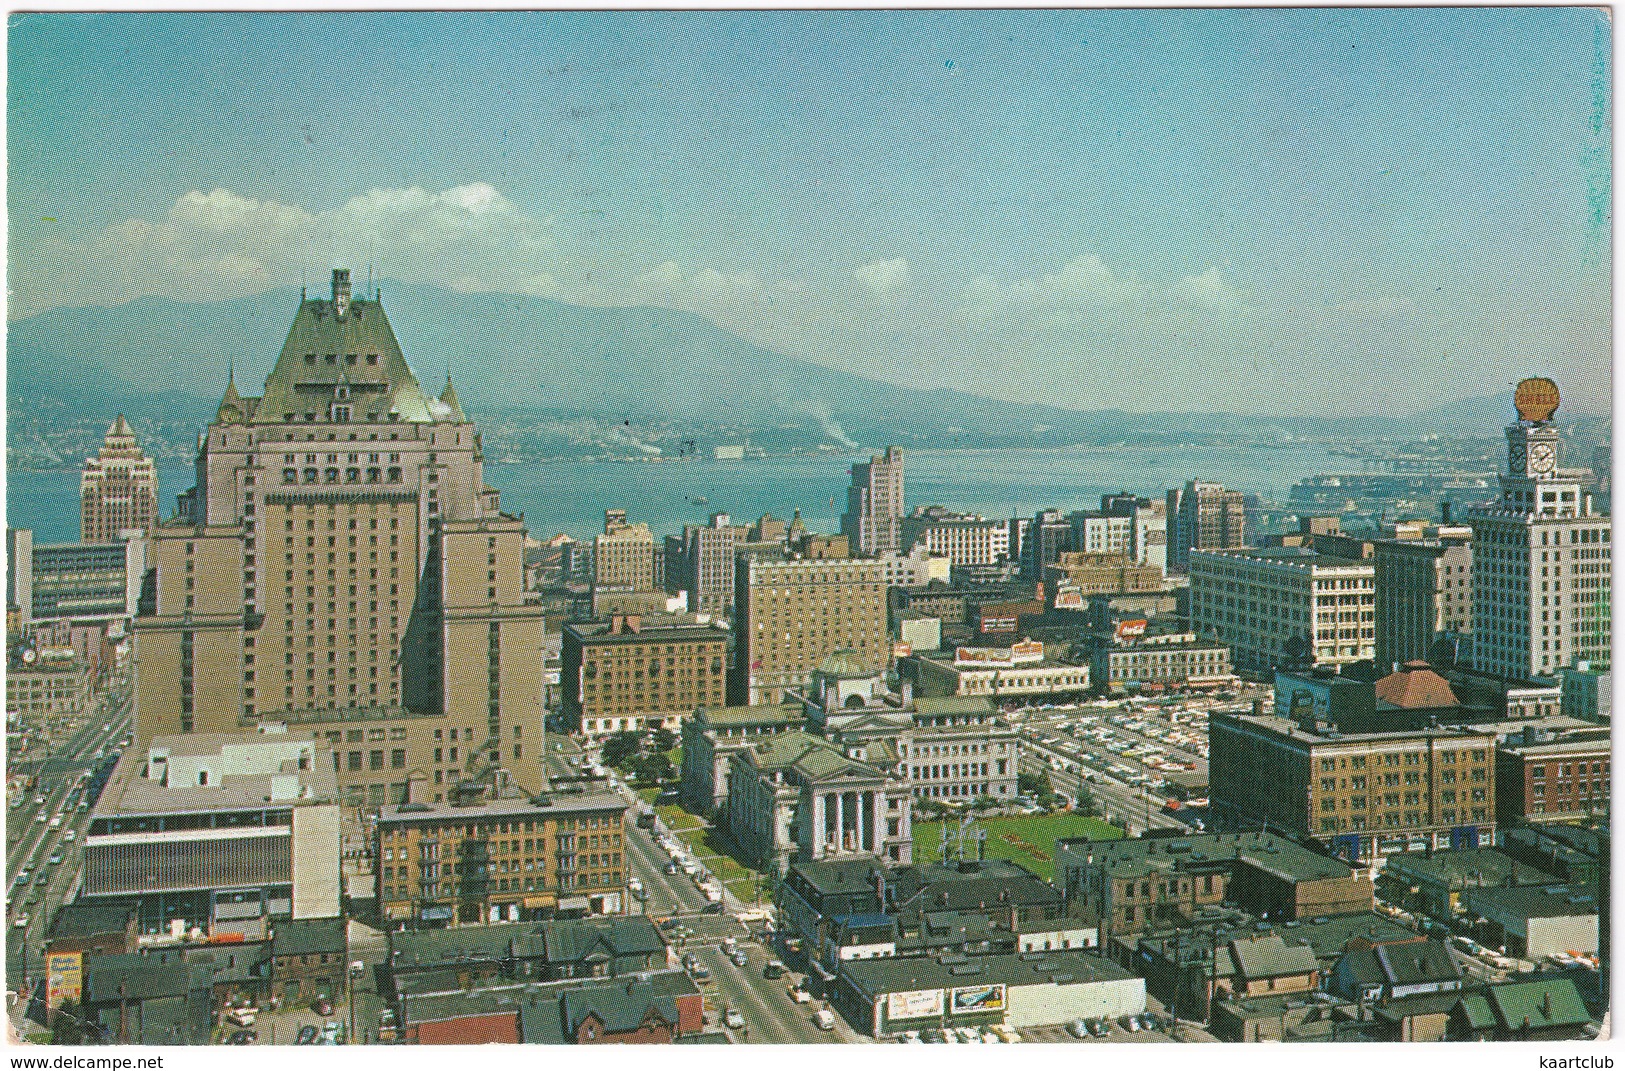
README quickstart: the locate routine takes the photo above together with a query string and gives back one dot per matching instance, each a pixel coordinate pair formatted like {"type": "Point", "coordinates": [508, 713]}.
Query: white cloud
{"type": "Point", "coordinates": [222, 244]}
{"type": "Point", "coordinates": [706, 290]}
{"type": "Point", "coordinates": [1085, 282]}
{"type": "Point", "coordinates": [883, 277]}
{"type": "Point", "coordinates": [1210, 291]}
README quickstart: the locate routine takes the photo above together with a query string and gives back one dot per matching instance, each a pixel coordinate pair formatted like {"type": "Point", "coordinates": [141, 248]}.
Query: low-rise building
{"type": "Point", "coordinates": [1536, 920]}
{"type": "Point", "coordinates": [501, 860]}
{"type": "Point", "coordinates": [1031, 989]}
{"type": "Point", "coordinates": [1018, 671]}
{"type": "Point", "coordinates": [1432, 882]}
{"type": "Point", "coordinates": [1077, 575]}
{"type": "Point", "coordinates": [1542, 778]}
{"type": "Point", "coordinates": [711, 738]}
{"type": "Point", "coordinates": [308, 959]}
{"type": "Point", "coordinates": [1123, 661]}
{"type": "Point", "coordinates": [1140, 884]}
{"type": "Point", "coordinates": [223, 833]}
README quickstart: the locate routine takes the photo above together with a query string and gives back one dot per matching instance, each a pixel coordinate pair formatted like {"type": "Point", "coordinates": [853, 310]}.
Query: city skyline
{"type": "Point", "coordinates": [1183, 210]}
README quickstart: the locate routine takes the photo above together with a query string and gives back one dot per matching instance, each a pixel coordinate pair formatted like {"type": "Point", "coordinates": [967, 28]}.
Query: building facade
{"type": "Point", "coordinates": [790, 615]}
{"type": "Point", "coordinates": [502, 860]}
{"type": "Point", "coordinates": [118, 489]}
{"type": "Point", "coordinates": [964, 539]}
{"type": "Point", "coordinates": [1541, 560]}
{"type": "Point", "coordinates": [873, 519]}
{"type": "Point", "coordinates": [1365, 794]}
{"type": "Point", "coordinates": [704, 565]}
{"type": "Point", "coordinates": [226, 833]}
{"type": "Point", "coordinates": [342, 567]}
{"type": "Point", "coordinates": [1540, 778]}
{"type": "Point", "coordinates": [1203, 516]}
{"type": "Point", "coordinates": [1168, 660]}
{"type": "Point", "coordinates": [1285, 605]}
{"type": "Point", "coordinates": [623, 555]}
{"type": "Point", "coordinates": [1423, 594]}
{"type": "Point", "coordinates": [634, 672]}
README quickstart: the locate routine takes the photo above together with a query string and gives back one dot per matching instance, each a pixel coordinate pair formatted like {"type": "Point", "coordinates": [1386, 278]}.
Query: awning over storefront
{"type": "Point", "coordinates": [532, 902]}
{"type": "Point", "coordinates": [435, 914]}
{"type": "Point", "coordinates": [574, 903]}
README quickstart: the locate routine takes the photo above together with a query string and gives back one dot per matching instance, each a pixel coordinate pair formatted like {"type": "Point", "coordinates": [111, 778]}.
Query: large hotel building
{"type": "Point", "coordinates": [341, 566]}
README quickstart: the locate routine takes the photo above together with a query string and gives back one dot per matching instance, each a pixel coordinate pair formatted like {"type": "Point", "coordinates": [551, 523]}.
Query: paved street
{"type": "Point", "coordinates": [31, 842]}
{"type": "Point", "coordinates": [771, 1017]}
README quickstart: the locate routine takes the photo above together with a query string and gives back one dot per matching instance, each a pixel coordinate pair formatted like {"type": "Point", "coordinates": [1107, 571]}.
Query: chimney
{"type": "Point", "coordinates": [341, 290]}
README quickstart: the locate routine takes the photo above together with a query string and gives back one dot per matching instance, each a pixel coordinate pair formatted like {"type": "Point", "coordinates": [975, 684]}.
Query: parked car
{"type": "Point", "coordinates": [732, 1019]}
{"type": "Point", "coordinates": [1100, 1027]}
{"type": "Point", "coordinates": [1079, 1028]}
{"type": "Point", "coordinates": [824, 1019]}
{"type": "Point", "coordinates": [739, 958]}
{"type": "Point", "coordinates": [799, 995]}
{"type": "Point", "coordinates": [1007, 1032]}
{"type": "Point", "coordinates": [1129, 1023]}
{"type": "Point", "coordinates": [307, 1036]}
{"type": "Point", "coordinates": [243, 1037]}
{"type": "Point", "coordinates": [712, 908]}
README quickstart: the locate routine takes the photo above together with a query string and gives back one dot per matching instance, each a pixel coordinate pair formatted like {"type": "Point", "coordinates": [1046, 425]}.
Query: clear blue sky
{"type": "Point", "coordinates": [1269, 210]}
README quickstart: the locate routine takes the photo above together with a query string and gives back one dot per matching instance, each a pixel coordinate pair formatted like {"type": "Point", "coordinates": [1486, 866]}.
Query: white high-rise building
{"type": "Point", "coordinates": [1540, 557]}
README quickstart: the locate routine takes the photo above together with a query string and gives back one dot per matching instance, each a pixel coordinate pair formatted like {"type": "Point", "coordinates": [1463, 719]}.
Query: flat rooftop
{"type": "Point", "coordinates": [557, 803]}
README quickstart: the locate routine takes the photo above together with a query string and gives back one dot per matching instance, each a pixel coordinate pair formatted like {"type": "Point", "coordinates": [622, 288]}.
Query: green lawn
{"type": "Point", "coordinates": [676, 819]}
{"type": "Point", "coordinates": [1035, 834]}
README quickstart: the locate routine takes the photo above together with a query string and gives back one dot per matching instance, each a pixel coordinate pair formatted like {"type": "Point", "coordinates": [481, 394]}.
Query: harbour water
{"type": "Point", "coordinates": [570, 496]}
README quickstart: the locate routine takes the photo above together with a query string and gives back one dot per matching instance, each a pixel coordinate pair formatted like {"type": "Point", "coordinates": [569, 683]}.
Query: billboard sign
{"type": "Point", "coordinates": [914, 1004]}
{"type": "Point", "coordinates": [902, 650]}
{"type": "Point", "coordinates": [977, 998]}
{"type": "Point", "coordinates": [1128, 630]}
{"type": "Point", "coordinates": [1067, 598]}
{"type": "Point", "coordinates": [1000, 657]}
{"type": "Point", "coordinates": [64, 972]}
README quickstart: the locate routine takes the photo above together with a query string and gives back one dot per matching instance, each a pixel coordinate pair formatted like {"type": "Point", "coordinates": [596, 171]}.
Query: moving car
{"type": "Point", "coordinates": [824, 1019]}
{"type": "Point", "coordinates": [799, 995]}
{"type": "Point", "coordinates": [1129, 1023]}
{"type": "Point", "coordinates": [22, 921]}
{"type": "Point", "coordinates": [732, 1019]}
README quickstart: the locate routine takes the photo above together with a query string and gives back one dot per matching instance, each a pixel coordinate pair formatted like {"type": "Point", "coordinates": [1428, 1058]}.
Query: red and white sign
{"type": "Point", "coordinates": [1127, 630]}
{"type": "Point", "coordinates": [1000, 657]}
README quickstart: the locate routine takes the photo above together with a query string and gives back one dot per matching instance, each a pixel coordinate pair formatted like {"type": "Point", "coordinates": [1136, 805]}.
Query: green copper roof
{"type": "Point", "coordinates": [329, 355]}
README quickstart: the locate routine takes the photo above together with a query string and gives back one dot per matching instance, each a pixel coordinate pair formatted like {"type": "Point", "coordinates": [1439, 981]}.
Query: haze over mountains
{"type": "Point", "coordinates": [512, 356]}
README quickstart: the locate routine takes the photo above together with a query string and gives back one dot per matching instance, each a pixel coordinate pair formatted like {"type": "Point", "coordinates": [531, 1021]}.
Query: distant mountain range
{"type": "Point", "coordinates": [512, 356]}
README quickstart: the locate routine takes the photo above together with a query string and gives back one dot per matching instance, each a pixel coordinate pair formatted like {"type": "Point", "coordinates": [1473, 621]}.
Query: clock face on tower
{"type": "Point", "coordinates": [1542, 457]}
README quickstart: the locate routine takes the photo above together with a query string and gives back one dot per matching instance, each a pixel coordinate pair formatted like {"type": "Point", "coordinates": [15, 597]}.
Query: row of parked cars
{"type": "Point", "coordinates": [1102, 1027]}
{"type": "Point", "coordinates": [960, 1035]}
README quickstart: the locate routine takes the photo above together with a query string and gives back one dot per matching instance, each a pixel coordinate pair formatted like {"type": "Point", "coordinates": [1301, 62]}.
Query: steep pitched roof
{"type": "Point", "coordinates": [1415, 962]}
{"type": "Point", "coordinates": [1267, 956]}
{"type": "Point", "coordinates": [316, 361]}
{"type": "Point", "coordinates": [1546, 1002]}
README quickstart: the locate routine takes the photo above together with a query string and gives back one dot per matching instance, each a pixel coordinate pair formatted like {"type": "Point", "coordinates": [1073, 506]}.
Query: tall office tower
{"type": "Point", "coordinates": [1423, 593]}
{"type": "Point", "coordinates": [624, 555]}
{"type": "Point", "coordinates": [1047, 536]}
{"type": "Point", "coordinates": [707, 564]}
{"type": "Point", "coordinates": [873, 520]}
{"type": "Point", "coordinates": [1203, 516]}
{"type": "Point", "coordinates": [792, 614]}
{"type": "Point", "coordinates": [118, 488]}
{"type": "Point", "coordinates": [341, 565]}
{"type": "Point", "coordinates": [1541, 590]}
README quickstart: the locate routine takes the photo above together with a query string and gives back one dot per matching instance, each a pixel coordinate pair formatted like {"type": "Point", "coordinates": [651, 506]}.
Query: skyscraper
{"type": "Point", "coordinates": [1203, 516]}
{"type": "Point", "coordinates": [873, 520]}
{"type": "Point", "coordinates": [1540, 557]}
{"type": "Point", "coordinates": [340, 565]}
{"type": "Point", "coordinates": [118, 488]}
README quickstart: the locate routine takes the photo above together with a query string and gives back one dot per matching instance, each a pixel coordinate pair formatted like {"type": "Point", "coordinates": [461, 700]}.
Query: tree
{"type": "Point", "coordinates": [665, 739]}
{"type": "Point", "coordinates": [1034, 784]}
{"type": "Point", "coordinates": [931, 809]}
{"type": "Point", "coordinates": [984, 803]}
{"type": "Point", "coordinates": [650, 770]}
{"type": "Point", "coordinates": [619, 749]}
{"type": "Point", "coordinates": [1087, 804]}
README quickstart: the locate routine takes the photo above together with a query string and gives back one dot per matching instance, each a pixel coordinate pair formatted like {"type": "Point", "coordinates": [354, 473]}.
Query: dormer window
{"type": "Point", "coordinates": [342, 391]}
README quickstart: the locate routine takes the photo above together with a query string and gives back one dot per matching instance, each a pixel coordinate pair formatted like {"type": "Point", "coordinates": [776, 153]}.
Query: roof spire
{"type": "Point", "coordinates": [448, 398]}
